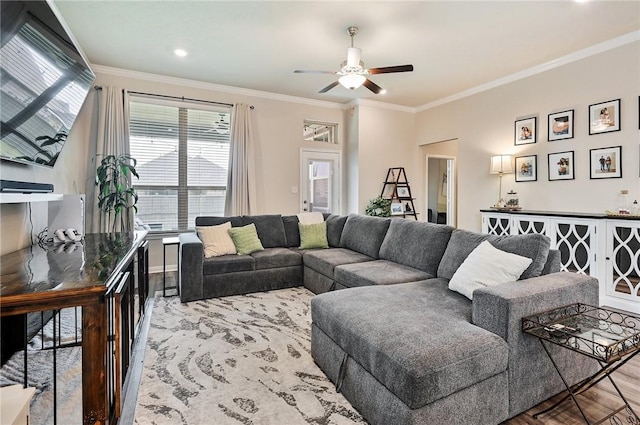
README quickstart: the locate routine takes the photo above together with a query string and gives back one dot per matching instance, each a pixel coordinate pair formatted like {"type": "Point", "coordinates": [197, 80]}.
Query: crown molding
{"type": "Point", "coordinates": [564, 60]}
{"type": "Point", "coordinates": [184, 82]}
{"type": "Point", "coordinates": [382, 105]}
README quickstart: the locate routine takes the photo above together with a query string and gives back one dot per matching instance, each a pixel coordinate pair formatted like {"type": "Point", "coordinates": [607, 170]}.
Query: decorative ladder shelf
{"type": "Point", "coordinates": [396, 188]}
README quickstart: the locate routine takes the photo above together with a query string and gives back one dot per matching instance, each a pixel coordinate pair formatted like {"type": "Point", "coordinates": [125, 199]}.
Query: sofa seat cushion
{"type": "Point", "coordinates": [228, 264]}
{"type": "Point", "coordinates": [276, 257]}
{"type": "Point", "coordinates": [378, 272]}
{"type": "Point", "coordinates": [435, 351]}
{"type": "Point", "coordinates": [325, 260]}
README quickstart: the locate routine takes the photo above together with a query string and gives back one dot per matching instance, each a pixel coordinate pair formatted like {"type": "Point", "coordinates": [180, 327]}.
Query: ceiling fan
{"type": "Point", "coordinates": [353, 74]}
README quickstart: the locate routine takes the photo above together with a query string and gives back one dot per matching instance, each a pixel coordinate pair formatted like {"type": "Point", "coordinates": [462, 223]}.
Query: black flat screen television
{"type": "Point", "coordinates": [44, 82]}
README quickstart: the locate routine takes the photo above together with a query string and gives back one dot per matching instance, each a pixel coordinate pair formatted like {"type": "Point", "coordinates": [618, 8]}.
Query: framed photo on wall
{"type": "Point", "coordinates": [604, 117]}
{"type": "Point", "coordinates": [525, 131]}
{"type": "Point", "coordinates": [560, 126]}
{"type": "Point", "coordinates": [606, 163]}
{"type": "Point", "coordinates": [527, 168]}
{"type": "Point", "coordinates": [561, 166]}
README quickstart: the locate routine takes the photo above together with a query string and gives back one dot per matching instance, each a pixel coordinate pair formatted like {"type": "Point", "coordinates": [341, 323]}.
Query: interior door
{"type": "Point", "coordinates": [320, 181]}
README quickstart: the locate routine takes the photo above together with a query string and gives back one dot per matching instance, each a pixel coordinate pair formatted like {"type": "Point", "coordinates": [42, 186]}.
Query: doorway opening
{"type": "Point", "coordinates": [441, 189]}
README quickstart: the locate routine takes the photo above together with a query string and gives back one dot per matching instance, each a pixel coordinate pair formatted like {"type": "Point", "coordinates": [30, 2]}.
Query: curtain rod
{"type": "Point", "coordinates": [179, 98]}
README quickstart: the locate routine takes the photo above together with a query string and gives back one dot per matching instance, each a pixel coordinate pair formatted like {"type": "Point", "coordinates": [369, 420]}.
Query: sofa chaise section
{"type": "Point", "coordinates": [415, 350]}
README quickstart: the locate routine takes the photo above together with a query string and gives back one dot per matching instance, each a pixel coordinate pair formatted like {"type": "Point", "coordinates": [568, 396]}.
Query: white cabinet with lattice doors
{"type": "Point", "coordinates": [591, 244]}
{"type": "Point", "coordinates": [622, 263]}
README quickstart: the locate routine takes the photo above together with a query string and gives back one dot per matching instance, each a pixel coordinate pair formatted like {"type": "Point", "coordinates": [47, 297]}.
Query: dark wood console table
{"type": "Point", "coordinates": [39, 278]}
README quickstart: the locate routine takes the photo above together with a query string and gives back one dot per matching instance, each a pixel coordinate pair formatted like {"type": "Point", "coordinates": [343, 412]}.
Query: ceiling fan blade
{"type": "Point", "coordinates": [390, 69]}
{"type": "Point", "coordinates": [373, 86]}
{"type": "Point", "coordinates": [329, 87]}
{"type": "Point", "coordinates": [310, 71]}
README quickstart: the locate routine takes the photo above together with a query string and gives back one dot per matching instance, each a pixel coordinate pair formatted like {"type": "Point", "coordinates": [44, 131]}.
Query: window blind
{"type": "Point", "coordinates": [182, 151]}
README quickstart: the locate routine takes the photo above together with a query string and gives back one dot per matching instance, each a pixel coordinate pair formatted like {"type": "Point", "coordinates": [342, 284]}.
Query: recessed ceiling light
{"type": "Point", "coordinates": [180, 52]}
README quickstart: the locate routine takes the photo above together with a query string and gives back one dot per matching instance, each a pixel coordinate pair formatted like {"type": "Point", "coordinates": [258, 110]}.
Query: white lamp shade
{"type": "Point", "coordinates": [352, 81]}
{"type": "Point", "coordinates": [501, 164]}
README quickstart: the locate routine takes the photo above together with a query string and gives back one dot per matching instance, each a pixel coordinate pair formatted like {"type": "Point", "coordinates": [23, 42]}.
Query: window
{"type": "Point", "coordinates": [314, 131]}
{"type": "Point", "coordinates": [182, 151]}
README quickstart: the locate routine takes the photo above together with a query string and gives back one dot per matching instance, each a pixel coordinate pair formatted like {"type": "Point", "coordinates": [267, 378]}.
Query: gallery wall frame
{"type": "Point", "coordinates": [526, 168]}
{"type": "Point", "coordinates": [526, 131]}
{"type": "Point", "coordinates": [561, 166]}
{"type": "Point", "coordinates": [605, 163]}
{"type": "Point", "coordinates": [560, 125]}
{"type": "Point", "coordinates": [604, 117]}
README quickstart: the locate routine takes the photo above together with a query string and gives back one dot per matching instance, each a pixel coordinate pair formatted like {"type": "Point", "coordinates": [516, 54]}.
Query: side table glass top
{"type": "Point", "coordinates": [603, 334]}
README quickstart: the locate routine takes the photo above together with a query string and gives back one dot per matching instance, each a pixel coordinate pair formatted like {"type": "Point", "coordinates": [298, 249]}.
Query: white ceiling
{"type": "Point", "coordinates": [453, 45]}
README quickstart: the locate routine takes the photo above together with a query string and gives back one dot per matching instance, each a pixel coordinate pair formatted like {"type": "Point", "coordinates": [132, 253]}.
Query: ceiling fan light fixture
{"type": "Point", "coordinates": [352, 81]}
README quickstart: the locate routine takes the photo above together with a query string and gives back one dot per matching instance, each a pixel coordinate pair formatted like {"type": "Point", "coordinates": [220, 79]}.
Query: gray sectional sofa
{"type": "Point", "coordinates": [397, 342]}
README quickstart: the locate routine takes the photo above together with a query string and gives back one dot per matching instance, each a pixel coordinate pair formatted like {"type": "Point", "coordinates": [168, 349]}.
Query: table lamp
{"type": "Point", "coordinates": [501, 165]}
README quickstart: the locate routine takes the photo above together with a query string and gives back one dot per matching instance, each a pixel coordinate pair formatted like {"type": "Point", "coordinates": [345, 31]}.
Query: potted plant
{"type": "Point", "coordinates": [379, 207]}
{"type": "Point", "coordinates": [116, 195]}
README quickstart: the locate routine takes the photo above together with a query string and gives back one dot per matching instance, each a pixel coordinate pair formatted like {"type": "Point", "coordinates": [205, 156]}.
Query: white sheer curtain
{"type": "Point", "coordinates": [241, 192]}
{"type": "Point", "coordinates": [112, 138]}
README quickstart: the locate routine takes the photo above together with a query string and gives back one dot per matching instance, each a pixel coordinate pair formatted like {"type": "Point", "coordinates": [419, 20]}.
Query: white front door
{"type": "Point", "coordinates": [320, 181]}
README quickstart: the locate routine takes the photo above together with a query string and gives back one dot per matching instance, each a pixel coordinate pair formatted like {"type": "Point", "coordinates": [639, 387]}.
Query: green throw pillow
{"type": "Point", "coordinates": [246, 239]}
{"type": "Point", "coordinates": [313, 235]}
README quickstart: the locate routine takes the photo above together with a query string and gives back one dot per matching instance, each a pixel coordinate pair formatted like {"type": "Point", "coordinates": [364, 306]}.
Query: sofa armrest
{"type": "Point", "coordinates": [500, 309]}
{"type": "Point", "coordinates": [190, 262]}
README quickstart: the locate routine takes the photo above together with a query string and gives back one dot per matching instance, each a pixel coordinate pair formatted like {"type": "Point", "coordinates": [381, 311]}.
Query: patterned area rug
{"type": "Point", "coordinates": [40, 372]}
{"type": "Point", "coordinates": [236, 360]}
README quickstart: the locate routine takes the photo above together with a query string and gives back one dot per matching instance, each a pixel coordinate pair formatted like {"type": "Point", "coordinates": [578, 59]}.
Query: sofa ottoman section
{"type": "Point", "coordinates": [377, 272]}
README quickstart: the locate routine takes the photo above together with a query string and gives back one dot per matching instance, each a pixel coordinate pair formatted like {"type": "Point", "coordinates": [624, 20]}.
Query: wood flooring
{"type": "Point", "coordinates": [596, 402]}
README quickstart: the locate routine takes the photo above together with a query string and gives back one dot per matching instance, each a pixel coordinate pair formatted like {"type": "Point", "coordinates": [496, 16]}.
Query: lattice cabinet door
{"type": "Point", "coordinates": [622, 267]}
{"type": "Point", "coordinates": [496, 224]}
{"type": "Point", "coordinates": [576, 239]}
{"type": "Point", "coordinates": [526, 224]}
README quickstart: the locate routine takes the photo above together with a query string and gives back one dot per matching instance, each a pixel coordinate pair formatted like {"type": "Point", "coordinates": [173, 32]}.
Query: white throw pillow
{"type": "Point", "coordinates": [487, 266]}
{"type": "Point", "coordinates": [216, 240]}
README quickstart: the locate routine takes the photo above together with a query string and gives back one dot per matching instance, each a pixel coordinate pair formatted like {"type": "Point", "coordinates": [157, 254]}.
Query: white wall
{"type": "Point", "coordinates": [385, 140]}
{"type": "Point", "coordinates": [484, 126]}
{"type": "Point", "coordinates": [278, 143]}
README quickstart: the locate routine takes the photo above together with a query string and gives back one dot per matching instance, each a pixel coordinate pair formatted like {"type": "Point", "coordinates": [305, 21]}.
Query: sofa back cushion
{"type": "Point", "coordinates": [462, 242]}
{"type": "Point", "coordinates": [364, 234]}
{"type": "Point", "coordinates": [291, 231]}
{"type": "Point", "coordinates": [416, 244]}
{"type": "Point", "coordinates": [270, 229]}
{"type": "Point", "coordinates": [236, 221]}
{"type": "Point", "coordinates": [335, 225]}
